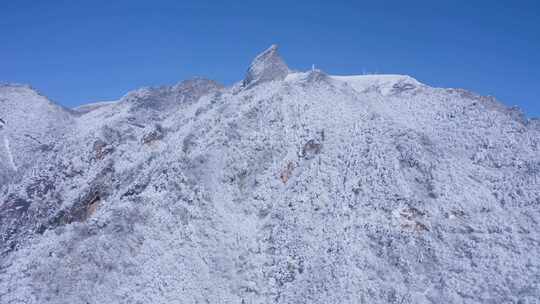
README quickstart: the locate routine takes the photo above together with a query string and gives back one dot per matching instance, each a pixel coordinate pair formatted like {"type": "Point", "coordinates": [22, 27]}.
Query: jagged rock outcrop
{"type": "Point", "coordinates": [295, 187]}
{"type": "Point", "coordinates": [267, 66]}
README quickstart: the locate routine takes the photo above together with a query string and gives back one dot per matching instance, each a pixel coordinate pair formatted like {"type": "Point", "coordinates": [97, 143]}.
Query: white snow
{"type": "Point", "coordinates": [384, 83]}
{"type": "Point", "coordinates": [9, 155]}
{"type": "Point", "coordinates": [396, 192]}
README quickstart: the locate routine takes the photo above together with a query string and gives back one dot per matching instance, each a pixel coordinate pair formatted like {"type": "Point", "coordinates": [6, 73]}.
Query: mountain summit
{"type": "Point", "coordinates": [295, 187]}
{"type": "Point", "coordinates": [267, 66]}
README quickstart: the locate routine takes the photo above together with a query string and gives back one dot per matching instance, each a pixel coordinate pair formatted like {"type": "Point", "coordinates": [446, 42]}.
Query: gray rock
{"type": "Point", "coordinates": [267, 66]}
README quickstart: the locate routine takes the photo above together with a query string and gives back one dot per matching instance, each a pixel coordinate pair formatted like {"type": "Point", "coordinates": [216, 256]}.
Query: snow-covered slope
{"type": "Point", "coordinates": [290, 187]}
{"type": "Point", "coordinates": [30, 126]}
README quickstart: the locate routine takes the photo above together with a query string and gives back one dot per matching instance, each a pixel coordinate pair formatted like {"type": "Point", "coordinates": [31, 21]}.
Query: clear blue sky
{"type": "Point", "coordinates": [83, 51]}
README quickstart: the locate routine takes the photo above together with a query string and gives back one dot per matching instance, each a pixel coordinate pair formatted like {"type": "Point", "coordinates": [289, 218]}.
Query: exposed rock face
{"type": "Point", "coordinates": [267, 66]}
{"type": "Point", "coordinates": [311, 149]}
{"type": "Point", "coordinates": [157, 133]}
{"type": "Point", "coordinates": [294, 188]}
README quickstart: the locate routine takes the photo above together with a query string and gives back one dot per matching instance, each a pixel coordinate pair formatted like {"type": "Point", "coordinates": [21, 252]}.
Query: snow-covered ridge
{"type": "Point", "coordinates": [385, 84]}
{"type": "Point", "coordinates": [31, 123]}
{"type": "Point", "coordinates": [85, 108]}
{"type": "Point", "coordinates": [26, 94]}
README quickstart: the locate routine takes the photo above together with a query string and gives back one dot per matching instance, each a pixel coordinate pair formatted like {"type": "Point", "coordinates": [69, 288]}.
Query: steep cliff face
{"type": "Point", "coordinates": [267, 66]}
{"type": "Point", "coordinates": [290, 187]}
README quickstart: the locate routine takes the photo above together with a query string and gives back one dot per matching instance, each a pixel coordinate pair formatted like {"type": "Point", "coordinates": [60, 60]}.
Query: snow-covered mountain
{"type": "Point", "coordinates": [288, 187]}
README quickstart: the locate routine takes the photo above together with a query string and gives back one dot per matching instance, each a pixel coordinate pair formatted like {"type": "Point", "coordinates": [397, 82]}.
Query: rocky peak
{"type": "Point", "coordinates": [267, 66]}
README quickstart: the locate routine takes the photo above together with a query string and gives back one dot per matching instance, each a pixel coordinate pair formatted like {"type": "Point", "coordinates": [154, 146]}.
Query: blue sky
{"type": "Point", "coordinates": [84, 51]}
